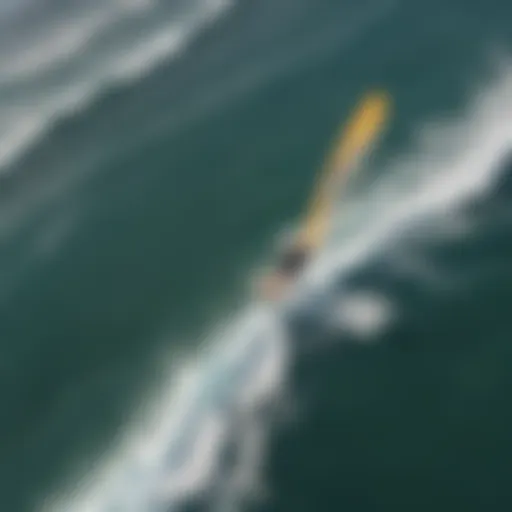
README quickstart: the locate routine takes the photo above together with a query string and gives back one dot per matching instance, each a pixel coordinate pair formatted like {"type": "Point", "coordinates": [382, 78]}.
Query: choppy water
{"type": "Point", "coordinates": [150, 152]}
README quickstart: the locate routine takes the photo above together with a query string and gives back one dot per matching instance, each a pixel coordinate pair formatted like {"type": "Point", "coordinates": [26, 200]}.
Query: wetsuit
{"type": "Point", "coordinates": [292, 261]}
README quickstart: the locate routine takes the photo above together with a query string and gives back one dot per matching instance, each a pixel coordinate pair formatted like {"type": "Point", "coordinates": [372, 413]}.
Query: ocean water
{"type": "Point", "coordinates": [152, 153]}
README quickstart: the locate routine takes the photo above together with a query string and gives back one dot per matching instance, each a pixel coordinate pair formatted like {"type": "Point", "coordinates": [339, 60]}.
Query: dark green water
{"type": "Point", "coordinates": [134, 225]}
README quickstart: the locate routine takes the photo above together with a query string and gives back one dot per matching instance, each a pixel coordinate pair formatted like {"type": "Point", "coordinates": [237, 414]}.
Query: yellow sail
{"type": "Point", "coordinates": [361, 131]}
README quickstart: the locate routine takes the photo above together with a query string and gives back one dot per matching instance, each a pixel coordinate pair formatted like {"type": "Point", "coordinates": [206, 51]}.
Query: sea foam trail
{"type": "Point", "coordinates": [66, 56]}
{"type": "Point", "coordinates": [176, 455]}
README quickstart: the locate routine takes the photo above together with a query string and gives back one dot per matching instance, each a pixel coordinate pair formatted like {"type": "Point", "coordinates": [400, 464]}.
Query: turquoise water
{"type": "Point", "coordinates": [150, 153]}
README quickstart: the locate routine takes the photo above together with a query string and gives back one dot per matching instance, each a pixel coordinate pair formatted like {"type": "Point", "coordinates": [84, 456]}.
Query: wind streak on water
{"type": "Point", "coordinates": [50, 68]}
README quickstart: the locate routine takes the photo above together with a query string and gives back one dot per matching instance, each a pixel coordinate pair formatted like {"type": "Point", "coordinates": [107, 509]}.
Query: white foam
{"type": "Point", "coordinates": [55, 43]}
{"type": "Point", "coordinates": [164, 41]}
{"type": "Point", "coordinates": [364, 314]}
{"type": "Point", "coordinates": [175, 452]}
{"type": "Point", "coordinates": [14, 136]}
{"type": "Point", "coordinates": [59, 45]}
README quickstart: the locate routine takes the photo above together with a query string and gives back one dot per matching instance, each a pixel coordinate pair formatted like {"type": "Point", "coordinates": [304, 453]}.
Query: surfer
{"type": "Point", "coordinates": [289, 266]}
{"type": "Point", "coordinates": [355, 141]}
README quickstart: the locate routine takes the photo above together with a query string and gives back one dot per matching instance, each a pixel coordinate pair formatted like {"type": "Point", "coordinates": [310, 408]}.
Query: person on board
{"type": "Point", "coordinates": [287, 270]}
{"type": "Point", "coordinates": [355, 140]}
